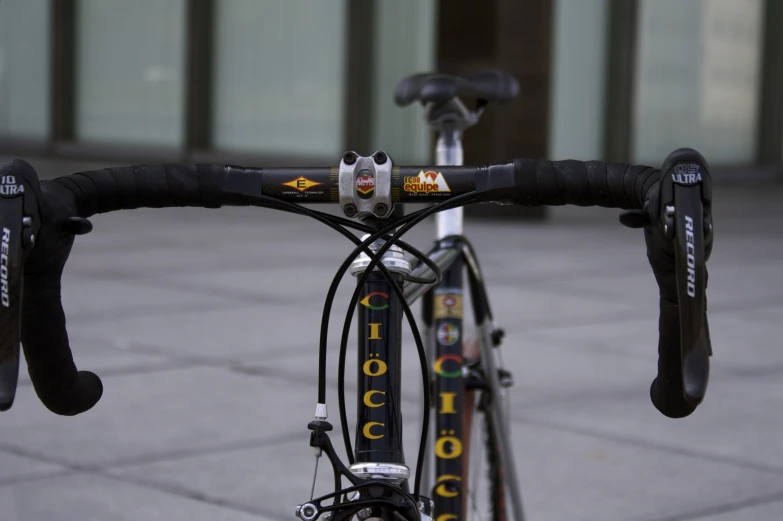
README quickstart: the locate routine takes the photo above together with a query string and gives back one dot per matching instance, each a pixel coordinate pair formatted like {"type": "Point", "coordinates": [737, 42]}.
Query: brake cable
{"type": "Point", "coordinates": [409, 222]}
{"type": "Point", "coordinates": [339, 224]}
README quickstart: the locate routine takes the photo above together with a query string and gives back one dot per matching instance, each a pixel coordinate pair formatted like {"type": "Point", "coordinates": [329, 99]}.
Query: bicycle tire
{"type": "Point", "coordinates": [489, 480]}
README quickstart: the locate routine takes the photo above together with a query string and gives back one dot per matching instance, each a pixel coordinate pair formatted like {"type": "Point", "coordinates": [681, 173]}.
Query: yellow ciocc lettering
{"type": "Point", "coordinates": [447, 403]}
{"type": "Point", "coordinates": [368, 398]}
{"type": "Point", "coordinates": [367, 430]}
{"type": "Point", "coordinates": [456, 447]}
{"type": "Point", "coordinates": [375, 333]}
{"type": "Point", "coordinates": [445, 517]}
{"type": "Point", "coordinates": [380, 367]}
{"type": "Point", "coordinates": [441, 489]}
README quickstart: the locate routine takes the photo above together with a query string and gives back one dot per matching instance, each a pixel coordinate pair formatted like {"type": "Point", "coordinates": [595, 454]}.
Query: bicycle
{"type": "Point", "coordinates": [472, 406]}
{"type": "Point", "coordinates": [39, 220]}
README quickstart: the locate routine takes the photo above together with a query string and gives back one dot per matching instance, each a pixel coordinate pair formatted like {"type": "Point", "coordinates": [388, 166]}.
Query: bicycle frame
{"type": "Point", "coordinates": [378, 447]}
{"type": "Point", "coordinates": [442, 316]}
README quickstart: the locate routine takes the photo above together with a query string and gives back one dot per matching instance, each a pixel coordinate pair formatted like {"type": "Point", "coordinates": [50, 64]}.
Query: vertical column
{"type": "Point", "coordinates": [514, 36]}
{"type": "Point", "coordinates": [198, 97]}
{"type": "Point", "coordinates": [63, 69]}
{"type": "Point", "coordinates": [621, 58]}
{"type": "Point", "coordinates": [771, 114]}
{"type": "Point", "coordinates": [360, 68]}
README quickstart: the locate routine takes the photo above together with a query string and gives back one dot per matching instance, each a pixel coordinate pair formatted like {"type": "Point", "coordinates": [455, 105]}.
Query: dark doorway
{"type": "Point", "coordinates": [516, 37]}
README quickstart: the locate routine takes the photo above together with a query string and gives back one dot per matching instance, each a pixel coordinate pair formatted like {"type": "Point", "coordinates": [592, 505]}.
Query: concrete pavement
{"type": "Point", "coordinates": [204, 328]}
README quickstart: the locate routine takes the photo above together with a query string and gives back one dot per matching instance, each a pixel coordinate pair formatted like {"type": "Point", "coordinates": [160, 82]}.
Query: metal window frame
{"type": "Point", "coordinates": [359, 73]}
{"type": "Point", "coordinates": [620, 79]}
{"type": "Point", "coordinates": [62, 65]}
{"type": "Point", "coordinates": [199, 57]}
{"type": "Point", "coordinates": [770, 131]}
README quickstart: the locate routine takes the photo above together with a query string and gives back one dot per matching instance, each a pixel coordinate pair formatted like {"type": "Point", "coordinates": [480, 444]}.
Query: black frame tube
{"type": "Point", "coordinates": [379, 416]}
{"type": "Point", "coordinates": [443, 307]}
{"type": "Point", "coordinates": [449, 390]}
{"type": "Point", "coordinates": [444, 255]}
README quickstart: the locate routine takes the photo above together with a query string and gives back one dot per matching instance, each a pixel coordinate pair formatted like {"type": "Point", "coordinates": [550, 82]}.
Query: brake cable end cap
{"type": "Point", "coordinates": [320, 412]}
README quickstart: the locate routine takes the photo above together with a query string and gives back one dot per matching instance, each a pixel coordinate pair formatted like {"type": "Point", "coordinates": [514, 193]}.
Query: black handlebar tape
{"type": "Point", "coordinates": [537, 182]}
{"type": "Point", "coordinates": [529, 182]}
{"type": "Point", "coordinates": [157, 186]}
{"type": "Point", "coordinates": [59, 386]}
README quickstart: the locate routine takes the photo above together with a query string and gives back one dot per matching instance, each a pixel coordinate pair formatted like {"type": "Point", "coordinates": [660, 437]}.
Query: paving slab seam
{"type": "Point", "coordinates": [35, 477]}
{"type": "Point", "coordinates": [162, 367]}
{"type": "Point", "coordinates": [171, 455]}
{"type": "Point", "coordinates": [191, 288]}
{"type": "Point", "coordinates": [722, 508]}
{"type": "Point", "coordinates": [182, 454]}
{"type": "Point", "coordinates": [620, 393]}
{"type": "Point", "coordinates": [174, 490]}
{"type": "Point", "coordinates": [45, 458]}
{"type": "Point", "coordinates": [636, 442]}
{"type": "Point", "coordinates": [246, 302]}
{"type": "Point", "coordinates": [575, 275]}
{"type": "Point", "coordinates": [152, 311]}
{"type": "Point", "coordinates": [292, 377]}
{"type": "Point", "coordinates": [613, 317]}
{"type": "Point", "coordinates": [163, 272]}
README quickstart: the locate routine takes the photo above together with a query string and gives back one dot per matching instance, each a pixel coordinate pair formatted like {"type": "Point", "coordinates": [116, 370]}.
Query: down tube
{"type": "Point", "coordinates": [379, 425]}
{"type": "Point", "coordinates": [449, 395]}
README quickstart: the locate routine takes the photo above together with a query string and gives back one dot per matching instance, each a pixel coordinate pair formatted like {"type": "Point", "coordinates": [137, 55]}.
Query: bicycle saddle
{"type": "Point", "coordinates": [489, 85]}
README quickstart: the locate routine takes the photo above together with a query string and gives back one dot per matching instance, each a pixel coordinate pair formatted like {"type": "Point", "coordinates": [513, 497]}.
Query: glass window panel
{"type": "Point", "coordinates": [402, 132]}
{"type": "Point", "coordinates": [579, 74]}
{"type": "Point", "coordinates": [24, 68]}
{"type": "Point", "coordinates": [131, 71]}
{"type": "Point", "coordinates": [279, 72]}
{"type": "Point", "coordinates": [698, 74]}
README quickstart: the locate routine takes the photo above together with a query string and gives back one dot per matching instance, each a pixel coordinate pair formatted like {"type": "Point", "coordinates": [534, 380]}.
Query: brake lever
{"type": "Point", "coordinates": [685, 222]}
{"type": "Point", "coordinates": [19, 224]}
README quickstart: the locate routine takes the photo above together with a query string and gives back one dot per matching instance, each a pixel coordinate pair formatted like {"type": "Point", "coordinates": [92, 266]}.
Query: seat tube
{"type": "Point", "coordinates": [378, 448]}
{"type": "Point", "coordinates": [446, 335]}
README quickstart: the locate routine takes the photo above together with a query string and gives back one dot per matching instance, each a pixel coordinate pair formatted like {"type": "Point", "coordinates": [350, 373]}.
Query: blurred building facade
{"type": "Point", "coordinates": [304, 80]}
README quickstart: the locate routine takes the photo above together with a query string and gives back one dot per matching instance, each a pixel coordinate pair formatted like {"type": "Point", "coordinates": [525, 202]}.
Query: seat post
{"type": "Point", "coordinates": [449, 147]}
{"type": "Point", "coordinates": [448, 151]}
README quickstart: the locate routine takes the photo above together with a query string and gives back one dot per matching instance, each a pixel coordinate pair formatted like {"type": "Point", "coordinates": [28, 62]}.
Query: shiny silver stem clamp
{"type": "Point", "coordinates": [364, 185]}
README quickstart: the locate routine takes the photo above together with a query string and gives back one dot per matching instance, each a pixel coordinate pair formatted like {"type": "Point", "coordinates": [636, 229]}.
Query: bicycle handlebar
{"type": "Point", "coordinates": [525, 182]}
{"type": "Point", "coordinates": [66, 202]}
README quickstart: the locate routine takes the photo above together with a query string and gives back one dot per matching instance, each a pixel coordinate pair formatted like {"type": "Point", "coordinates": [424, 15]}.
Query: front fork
{"type": "Point", "coordinates": [379, 476]}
